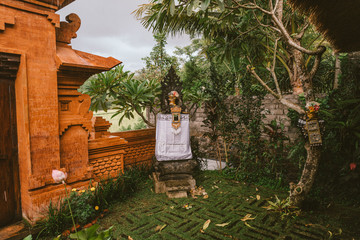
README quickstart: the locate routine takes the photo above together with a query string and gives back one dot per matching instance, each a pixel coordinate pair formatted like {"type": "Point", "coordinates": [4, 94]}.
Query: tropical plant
{"type": "Point", "coordinates": [339, 173]}
{"type": "Point", "coordinates": [92, 233]}
{"type": "Point", "coordinates": [283, 207]}
{"type": "Point", "coordinates": [266, 37]}
{"type": "Point", "coordinates": [82, 206]}
{"type": "Point", "coordinates": [119, 90]}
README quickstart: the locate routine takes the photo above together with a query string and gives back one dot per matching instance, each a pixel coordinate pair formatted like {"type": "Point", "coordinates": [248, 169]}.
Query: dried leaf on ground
{"type": "Point", "coordinates": [160, 228]}
{"type": "Point", "coordinates": [130, 238]}
{"type": "Point", "coordinates": [206, 224]}
{"type": "Point", "coordinates": [248, 225]}
{"type": "Point", "coordinates": [206, 196]}
{"type": "Point", "coordinates": [258, 197]}
{"type": "Point", "coordinates": [247, 217]}
{"type": "Point", "coordinates": [222, 224]}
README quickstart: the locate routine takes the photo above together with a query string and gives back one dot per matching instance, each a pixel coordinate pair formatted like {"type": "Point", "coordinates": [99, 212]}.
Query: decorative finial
{"type": "Point", "coordinates": [68, 29]}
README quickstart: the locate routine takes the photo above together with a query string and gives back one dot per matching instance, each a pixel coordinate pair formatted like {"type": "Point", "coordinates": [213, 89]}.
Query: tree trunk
{"type": "Point", "coordinates": [299, 191]}
{"type": "Point", "coordinates": [337, 71]}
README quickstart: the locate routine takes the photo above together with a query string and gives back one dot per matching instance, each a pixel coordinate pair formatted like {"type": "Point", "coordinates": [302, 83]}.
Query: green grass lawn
{"type": "Point", "coordinates": [115, 121]}
{"type": "Point", "coordinates": [228, 202]}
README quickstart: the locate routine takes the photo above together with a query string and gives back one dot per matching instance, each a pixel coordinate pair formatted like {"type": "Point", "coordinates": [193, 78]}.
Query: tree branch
{"type": "Point", "coordinates": [143, 118]}
{"type": "Point", "coordinates": [264, 25]}
{"type": "Point", "coordinates": [284, 101]}
{"type": "Point", "coordinates": [290, 41]}
{"type": "Point", "coordinates": [314, 69]}
{"type": "Point", "coordinates": [278, 9]}
{"type": "Point", "coordinates": [272, 69]}
{"type": "Point", "coordinates": [251, 6]}
{"type": "Point", "coordinates": [252, 71]}
{"type": "Point", "coordinates": [302, 32]}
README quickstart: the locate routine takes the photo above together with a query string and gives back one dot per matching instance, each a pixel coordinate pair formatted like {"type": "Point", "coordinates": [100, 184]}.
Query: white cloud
{"type": "Point", "coordinates": [109, 29]}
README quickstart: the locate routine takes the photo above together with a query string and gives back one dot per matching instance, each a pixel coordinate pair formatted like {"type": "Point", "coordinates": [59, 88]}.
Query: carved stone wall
{"type": "Point", "coordinates": [110, 154]}
{"type": "Point", "coordinates": [140, 149]}
{"type": "Point", "coordinates": [106, 157]}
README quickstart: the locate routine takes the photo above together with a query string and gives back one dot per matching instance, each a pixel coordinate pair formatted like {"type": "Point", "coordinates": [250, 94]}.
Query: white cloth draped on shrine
{"type": "Point", "coordinates": [172, 144]}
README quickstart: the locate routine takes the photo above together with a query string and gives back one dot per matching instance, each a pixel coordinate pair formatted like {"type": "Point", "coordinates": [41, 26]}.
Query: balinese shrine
{"type": "Point", "coordinates": [45, 123]}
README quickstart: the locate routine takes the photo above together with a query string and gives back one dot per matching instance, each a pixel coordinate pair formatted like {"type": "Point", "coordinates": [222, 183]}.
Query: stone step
{"type": "Point", "coordinates": [176, 194]}
{"type": "Point", "coordinates": [174, 183]}
{"type": "Point", "coordinates": [178, 188]}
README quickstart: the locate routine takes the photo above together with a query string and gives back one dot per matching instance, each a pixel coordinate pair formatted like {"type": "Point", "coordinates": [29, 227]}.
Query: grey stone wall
{"type": "Point", "coordinates": [273, 110]}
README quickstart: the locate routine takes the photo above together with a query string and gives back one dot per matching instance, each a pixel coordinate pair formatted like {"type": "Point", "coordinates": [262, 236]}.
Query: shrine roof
{"type": "Point", "coordinates": [337, 20]}
{"type": "Point", "coordinates": [68, 58]}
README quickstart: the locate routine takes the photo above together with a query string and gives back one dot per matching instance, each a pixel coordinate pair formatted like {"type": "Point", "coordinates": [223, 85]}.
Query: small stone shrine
{"type": "Point", "coordinates": [174, 164]}
{"type": "Point", "coordinates": [311, 125]}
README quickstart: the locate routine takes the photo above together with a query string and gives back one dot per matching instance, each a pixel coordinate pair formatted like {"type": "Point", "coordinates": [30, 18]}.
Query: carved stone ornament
{"type": "Point", "coordinates": [176, 116]}
{"type": "Point", "coordinates": [68, 29]}
{"type": "Point", "coordinates": [311, 128]}
{"type": "Point", "coordinates": [171, 82]}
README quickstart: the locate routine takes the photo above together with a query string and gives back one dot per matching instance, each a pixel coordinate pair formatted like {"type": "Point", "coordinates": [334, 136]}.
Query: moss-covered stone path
{"type": "Point", "coordinates": [228, 202]}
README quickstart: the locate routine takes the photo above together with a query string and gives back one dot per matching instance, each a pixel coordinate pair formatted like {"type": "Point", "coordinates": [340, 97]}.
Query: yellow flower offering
{"type": "Point", "coordinates": [311, 109]}
{"type": "Point", "coordinates": [82, 191]}
{"type": "Point", "coordinates": [92, 189]}
{"type": "Point", "coordinates": [96, 208]}
{"type": "Point", "coordinates": [73, 190]}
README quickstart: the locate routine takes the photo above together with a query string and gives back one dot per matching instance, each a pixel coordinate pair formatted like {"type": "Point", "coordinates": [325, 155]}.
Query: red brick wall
{"type": "Point", "coordinates": [140, 148]}
{"type": "Point", "coordinates": [109, 156]}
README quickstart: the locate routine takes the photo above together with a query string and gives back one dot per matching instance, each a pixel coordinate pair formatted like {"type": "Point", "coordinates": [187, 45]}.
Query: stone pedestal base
{"type": "Point", "coordinates": [174, 177]}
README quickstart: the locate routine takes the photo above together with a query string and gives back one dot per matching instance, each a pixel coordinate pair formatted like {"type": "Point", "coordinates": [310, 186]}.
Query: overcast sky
{"type": "Point", "coordinates": [109, 29]}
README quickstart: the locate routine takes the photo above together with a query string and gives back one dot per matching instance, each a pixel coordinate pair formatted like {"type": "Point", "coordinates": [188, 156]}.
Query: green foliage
{"type": "Point", "coordinates": [29, 237]}
{"type": "Point", "coordinates": [283, 207]}
{"type": "Point", "coordinates": [91, 233]}
{"type": "Point", "coordinates": [113, 189]}
{"type": "Point", "coordinates": [341, 112]}
{"type": "Point", "coordinates": [83, 202]}
{"type": "Point", "coordinates": [82, 206]}
{"type": "Point", "coordinates": [137, 126]}
{"type": "Point", "coordinates": [57, 219]}
{"type": "Point", "coordinates": [158, 63]}
{"type": "Point", "coordinates": [197, 155]}
{"type": "Point", "coordinates": [119, 90]}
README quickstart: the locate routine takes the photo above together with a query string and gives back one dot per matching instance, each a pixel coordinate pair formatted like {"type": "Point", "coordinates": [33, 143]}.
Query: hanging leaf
{"type": "Point", "coordinates": [205, 4]}
{"type": "Point", "coordinates": [221, 4]}
{"type": "Point", "coordinates": [172, 7]}
{"type": "Point", "coordinates": [196, 4]}
{"type": "Point", "coordinates": [190, 8]}
{"type": "Point", "coordinates": [206, 224]}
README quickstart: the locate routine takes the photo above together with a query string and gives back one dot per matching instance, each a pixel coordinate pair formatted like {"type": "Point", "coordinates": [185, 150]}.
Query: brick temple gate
{"type": "Point", "coordinates": [9, 171]}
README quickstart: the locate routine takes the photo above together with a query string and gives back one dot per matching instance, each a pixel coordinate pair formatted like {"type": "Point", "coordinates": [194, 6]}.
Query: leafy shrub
{"type": "Point", "coordinates": [341, 139]}
{"type": "Point", "coordinates": [87, 204]}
